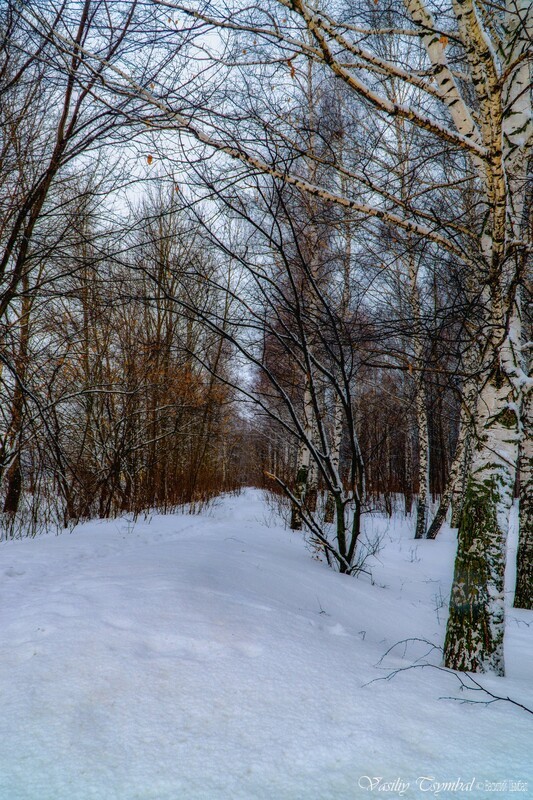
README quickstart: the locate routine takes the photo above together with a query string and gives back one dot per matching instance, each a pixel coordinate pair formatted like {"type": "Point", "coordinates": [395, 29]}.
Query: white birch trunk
{"type": "Point", "coordinates": [459, 490]}
{"type": "Point", "coordinates": [455, 470]}
{"type": "Point", "coordinates": [524, 558]}
{"type": "Point", "coordinates": [311, 494]}
{"type": "Point", "coordinates": [420, 405]}
{"type": "Point", "coordinates": [456, 485]}
{"type": "Point", "coordinates": [423, 463]}
{"type": "Point", "coordinates": [474, 638]}
{"type": "Point", "coordinates": [408, 473]}
{"type": "Point", "coordinates": [303, 461]}
{"type": "Point", "coordinates": [338, 425]}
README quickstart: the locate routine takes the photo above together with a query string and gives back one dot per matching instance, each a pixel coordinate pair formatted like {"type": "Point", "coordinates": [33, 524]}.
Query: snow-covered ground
{"type": "Point", "coordinates": [211, 658]}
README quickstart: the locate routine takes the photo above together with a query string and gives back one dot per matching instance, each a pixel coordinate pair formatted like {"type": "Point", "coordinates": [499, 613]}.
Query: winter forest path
{"type": "Point", "coordinates": [211, 658]}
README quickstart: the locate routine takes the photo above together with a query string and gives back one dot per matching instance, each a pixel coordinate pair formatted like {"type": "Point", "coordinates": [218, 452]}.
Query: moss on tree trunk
{"type": "Point", "coordinates": [474, 637]}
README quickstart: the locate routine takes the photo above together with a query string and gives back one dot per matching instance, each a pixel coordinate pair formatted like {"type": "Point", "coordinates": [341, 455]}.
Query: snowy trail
{"type": "Point", "coordinates": [210, 658]}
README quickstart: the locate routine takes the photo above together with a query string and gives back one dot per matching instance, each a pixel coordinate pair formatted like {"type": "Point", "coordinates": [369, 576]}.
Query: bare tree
{"type": "Point", "coordinates": [482, 118]}
{"type": "Point", "coordinates": [471, 104]}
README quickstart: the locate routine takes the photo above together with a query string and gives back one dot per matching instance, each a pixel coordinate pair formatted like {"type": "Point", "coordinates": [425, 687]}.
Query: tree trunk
{"type": "Point", "coordinates": [14, 473]}
{"type": "Point", "coordinates": [311, 493]}
{"type": "Point", "coordinates": [524, 558]}
{"type": "Point", "coordinates": [329, 513]}
{"type": "Point", "coordinates": [303, 465]}
{"type": "Point", "coordinates": [474, 637]}
{"type": "Point", "coordinates": [423, 464]}
{"type": "Point", "coordinates": [459, 492]}
{"type": "Point", "coordinates": [14, 487]}
{"type": "Point", "coordinates": [408, 491]}
{"type": "Point", "coordinates": [456, 476]}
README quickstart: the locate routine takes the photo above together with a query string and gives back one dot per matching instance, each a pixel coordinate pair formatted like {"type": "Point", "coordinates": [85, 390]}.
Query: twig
{"type": "Point", "coordinates": [464, 679]}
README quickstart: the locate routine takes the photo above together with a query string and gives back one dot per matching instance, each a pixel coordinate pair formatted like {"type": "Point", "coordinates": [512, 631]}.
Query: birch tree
{"type": "Point", "coordinates": [472, 103]}
{"type": "Point", "coordinates": [483, 118]}
{"type": "Point", "coordinates": [524, 559]}
{"type": "Point", "coordinates": [524, 569]}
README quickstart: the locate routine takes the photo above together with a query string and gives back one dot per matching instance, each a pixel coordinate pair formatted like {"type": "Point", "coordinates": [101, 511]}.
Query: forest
{"type": "Point", "coordinates": [284, 245]}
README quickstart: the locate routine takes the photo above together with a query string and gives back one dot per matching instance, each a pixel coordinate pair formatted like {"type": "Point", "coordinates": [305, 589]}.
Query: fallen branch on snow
{"type": "Point", "coordinates": [466, 680]}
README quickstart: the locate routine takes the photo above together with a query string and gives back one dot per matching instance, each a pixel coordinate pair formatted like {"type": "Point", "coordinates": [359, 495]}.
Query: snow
{"type": "Point", "coordinates": [211, 658]}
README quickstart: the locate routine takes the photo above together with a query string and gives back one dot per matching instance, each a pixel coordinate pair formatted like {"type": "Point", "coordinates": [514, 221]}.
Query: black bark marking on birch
{"type": "Point", "coordinates": [507, 418]}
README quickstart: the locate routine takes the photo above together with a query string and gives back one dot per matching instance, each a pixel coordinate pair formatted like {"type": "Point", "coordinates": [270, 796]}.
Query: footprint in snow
{"type": "Point", "coordinates": [11, 572]}
{"type": "Point", "coordinates": [338, 630]}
